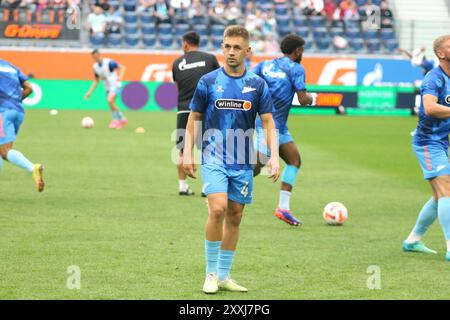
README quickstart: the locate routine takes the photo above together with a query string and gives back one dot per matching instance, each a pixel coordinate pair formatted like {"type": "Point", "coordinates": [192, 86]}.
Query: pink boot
{"type": "Point", "coordinates": [113, 124]}
{"type": "Point", "coordinates": [121, 123]}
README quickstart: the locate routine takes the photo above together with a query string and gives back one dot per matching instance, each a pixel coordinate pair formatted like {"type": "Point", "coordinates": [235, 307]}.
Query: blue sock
{"type": "Point", "coordinates": [1, 164]}
{"type": "Point", "coordinates": [115, 116]}
{"type": "Point", "coordinates": [17, 158]}
{"type": "Point", "coordinates": [426, 217]}
{"type": "Point", "coordinates": [212, 255]}
{"type": "Point", "coordinates": [289, 174]}
{"type": "Point", "coordinates": [225, 262]}
{"type": "Point", "coordinates": [444, 216]}
{"type": "Point", "coordinates": [120, 115]}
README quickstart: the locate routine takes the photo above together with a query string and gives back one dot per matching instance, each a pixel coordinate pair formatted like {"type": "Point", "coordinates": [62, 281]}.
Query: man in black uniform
{"type": "Point", "coordinates": [186, 72]}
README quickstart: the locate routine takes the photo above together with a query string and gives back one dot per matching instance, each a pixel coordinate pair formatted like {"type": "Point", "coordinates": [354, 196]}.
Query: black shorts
{"type": "Point", "coordinates": [182, 120]}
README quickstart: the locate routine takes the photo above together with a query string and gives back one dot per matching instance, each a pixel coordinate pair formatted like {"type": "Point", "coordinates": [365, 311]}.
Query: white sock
{"type": "Point", "coordinates": [413, 238]}
{"type": "Point", "coordinates": [285, 197]}
{"type": "Point", "coordinates": [448, 245]}
{"type": "Point", "coordinates": [183, 185]}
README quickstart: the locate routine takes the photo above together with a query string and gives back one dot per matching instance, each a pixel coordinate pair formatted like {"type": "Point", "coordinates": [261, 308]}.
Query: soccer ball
{"type": "Point", "coordinates": [87, 122]}
{"type": "Point", "coordinates": [335, 213]}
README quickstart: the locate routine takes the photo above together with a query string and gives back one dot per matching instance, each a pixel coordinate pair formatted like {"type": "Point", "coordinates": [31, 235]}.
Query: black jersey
{"type": "Point", "coordinates": [187, 71]}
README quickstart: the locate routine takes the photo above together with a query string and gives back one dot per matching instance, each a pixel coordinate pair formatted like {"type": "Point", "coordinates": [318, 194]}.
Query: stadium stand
{"type": "Point", "coordinates": [159, 24]}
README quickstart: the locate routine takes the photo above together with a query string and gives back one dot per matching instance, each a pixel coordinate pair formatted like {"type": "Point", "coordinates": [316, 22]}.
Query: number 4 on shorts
{"type": "Point", "coordinates": [244, 190]}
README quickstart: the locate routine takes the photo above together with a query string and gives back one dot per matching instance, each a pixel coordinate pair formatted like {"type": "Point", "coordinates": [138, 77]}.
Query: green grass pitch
{"type": "Point", "coordinates": [111, 207]}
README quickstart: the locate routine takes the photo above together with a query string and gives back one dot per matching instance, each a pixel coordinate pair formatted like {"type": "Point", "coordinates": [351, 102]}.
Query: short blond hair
{"type": "Point", "coordinates": [439, 41]}
{"type": "Point", "coordinates": [237, 31]}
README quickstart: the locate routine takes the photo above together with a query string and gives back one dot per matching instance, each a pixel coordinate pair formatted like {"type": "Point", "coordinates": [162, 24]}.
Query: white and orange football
{"type": "Point", "coordinates": [335, 213]}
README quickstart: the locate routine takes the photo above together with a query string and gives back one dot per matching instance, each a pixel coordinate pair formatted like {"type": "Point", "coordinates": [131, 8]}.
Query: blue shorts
{"type": "Point", "coordinates": [238, 184]}
{"type": "Point", "coordinates": [261, 144]}
{"type": "Point", "coordinates": [10, 121]}
{"type": "Point", "coordinates": [433, 159]}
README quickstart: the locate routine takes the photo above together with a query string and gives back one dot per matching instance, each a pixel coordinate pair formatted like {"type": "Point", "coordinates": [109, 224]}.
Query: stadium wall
{"type": "Point", "coordinates": [367, 83]}
{"type": "Point", "coordinates": [162, 96]}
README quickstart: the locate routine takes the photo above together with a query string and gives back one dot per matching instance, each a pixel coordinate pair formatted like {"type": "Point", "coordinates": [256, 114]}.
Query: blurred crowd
{"type": "Point", "coordinates": [34, 10]}
{"type": "Point", "coordinates": [259, 17]}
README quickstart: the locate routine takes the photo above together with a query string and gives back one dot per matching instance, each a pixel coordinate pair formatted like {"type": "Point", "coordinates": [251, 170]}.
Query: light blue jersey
{"type": "Point", "coordinates": [11, 80]}
{"type": "Point", "coordinates": [430, 141]}
{"type": "Point", "coordinates": [12, 116]}
{"type": "Point", "coordinates": [284, 78]}
{"type": "Point", "coordinates": [11, 107]}
{"type": "Point", "coordinates": [430, 129]}
{"type": "Point", "coordinates": [230, 104]}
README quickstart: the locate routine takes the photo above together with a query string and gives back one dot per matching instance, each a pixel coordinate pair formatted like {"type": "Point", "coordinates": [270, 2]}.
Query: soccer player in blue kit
{"type": "Point", "coordinates": [228, 100]}
{"type": "Point", "coordinates": [14, 87]}
{"type": "Point", "coordinates": [285, 77]}
{"type": "Point", "coordinates": [430, 144]}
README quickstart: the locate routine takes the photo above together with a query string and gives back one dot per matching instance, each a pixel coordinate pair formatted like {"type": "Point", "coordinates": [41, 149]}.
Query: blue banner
{"type": "Point", "coordinates": [387, 72]}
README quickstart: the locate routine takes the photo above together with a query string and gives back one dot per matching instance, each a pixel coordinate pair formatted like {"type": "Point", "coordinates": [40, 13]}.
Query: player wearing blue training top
{"type": "Point", "coordinates": [285, 77]}
{"type": "Point", "coordinates": [228, 101]}
{"type": "Point", "coordinates": [112, 74]}
{"type": "Point", "coordinates": [430, 144]}
{"type": "Point", "coordinates": [14, 87]}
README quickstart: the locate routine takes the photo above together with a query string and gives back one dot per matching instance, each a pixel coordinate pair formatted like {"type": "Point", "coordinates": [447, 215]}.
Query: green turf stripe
{"type": "Point", "coordinates": [110, 194]}
{"type": "Point", "coordinates": [332, 88]}
{"type": "Point", "coordinates": [360, 112]}
{"type": "Point", "coordinates": [351, 112]}
{"type": "Point", "coordinates": [355, 88]}
{"type": "Point", "coordinates": [312, 111]}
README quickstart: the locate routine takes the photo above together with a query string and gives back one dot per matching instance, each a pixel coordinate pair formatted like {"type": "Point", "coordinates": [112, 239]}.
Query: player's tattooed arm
{"type": "Point", "coordinates": [433, 109]}
{"type": "Point", "coordinates": [26, 89]}
{"type": "Point", "coordinates": [192, 131]}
